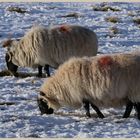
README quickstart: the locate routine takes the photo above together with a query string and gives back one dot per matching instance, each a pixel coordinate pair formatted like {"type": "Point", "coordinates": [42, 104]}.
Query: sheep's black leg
{"type": "Point", "coordinates": [46, 68]}
{"type": "Point", "coordinates": [39, 71]}
{"type": "Point", "coordinates": [137, 108]}
{"type": "Point", "coordinates": [97, 110]}
{"type": "Point", "coordinates": [86, 106]}
{"type": "Point", "coordinates": [129, 107]}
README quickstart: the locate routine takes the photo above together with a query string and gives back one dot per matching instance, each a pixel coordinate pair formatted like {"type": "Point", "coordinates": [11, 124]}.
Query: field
{"type": "Point", "coordinates": [117, 26]}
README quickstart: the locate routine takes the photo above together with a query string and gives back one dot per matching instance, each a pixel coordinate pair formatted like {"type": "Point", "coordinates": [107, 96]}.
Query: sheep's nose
{"type": "Point", "coordinates": [43, 107]}
{"type": "Point", "coordinates": [11, 67]}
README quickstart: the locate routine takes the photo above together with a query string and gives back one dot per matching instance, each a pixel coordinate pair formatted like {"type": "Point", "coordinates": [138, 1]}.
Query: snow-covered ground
{"type": "Point", "coordinates": [23, 119]}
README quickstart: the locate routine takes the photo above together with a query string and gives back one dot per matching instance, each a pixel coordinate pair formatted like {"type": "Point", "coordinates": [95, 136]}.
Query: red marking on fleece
{"type": "Point", "coordinates": [105, 61]}
{"type": "Point", "coordinates": [64, 28]}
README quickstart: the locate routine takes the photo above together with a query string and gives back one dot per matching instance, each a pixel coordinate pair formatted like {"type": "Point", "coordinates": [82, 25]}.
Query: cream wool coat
{"type": "Point", "coordinates": [105, 80]}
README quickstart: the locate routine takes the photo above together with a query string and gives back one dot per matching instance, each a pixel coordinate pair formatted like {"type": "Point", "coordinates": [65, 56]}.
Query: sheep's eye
{"type": "Point", "coordinates": [42, 93]}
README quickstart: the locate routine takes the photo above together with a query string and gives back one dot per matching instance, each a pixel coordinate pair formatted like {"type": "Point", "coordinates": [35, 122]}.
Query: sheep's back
{"type": "Point", "coordinates": [62, 43]}
{"type": "Point", "coordinates": [109, 83]}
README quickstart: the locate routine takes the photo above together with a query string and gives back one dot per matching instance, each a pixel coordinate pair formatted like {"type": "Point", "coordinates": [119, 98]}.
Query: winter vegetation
{"type": "Point", "coordinates": [16, 9]}
{"type": "Point", "coordinates": [19, 111]}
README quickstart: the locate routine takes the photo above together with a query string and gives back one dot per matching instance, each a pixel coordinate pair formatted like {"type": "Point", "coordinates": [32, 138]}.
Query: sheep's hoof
{"type": "Point", "coordinates": [48, 75]}
{"type": "Point", "coordinates": [39, 75]}
{"type": "Point", "coordinates": [101, 116]}
{"type": "Point", "coordinates": [88, 115]}
{"type": "Point", "coordinates": [138, 116]}
{"type": "Point", "coordinates": [14, 74]}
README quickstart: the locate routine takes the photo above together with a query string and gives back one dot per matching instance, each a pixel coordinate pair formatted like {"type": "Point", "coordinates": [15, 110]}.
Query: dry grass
{"type": "Point", "coordinates": [7, 103]}
{"type": "Point", "coordinates": [16, 9]}
{"type": "Point", "coordinates": [105, 8]}
{"type": "Point", "coordinates": [114, 30]}
{"type": "Point", "coordinates": [136, 20]}
{"type": "Point", "coordinates": [5, 73]}
{"type": "Point", "coordinates": [19, 74]}
{"type": "Point", "coordinates": [112, 19]}
{"type": "Point", "coordinates": [51, 7]}
{"type": "Point", "coordinates": [132, 14]}
{"type": "Point", "coordinates": [74, 15]}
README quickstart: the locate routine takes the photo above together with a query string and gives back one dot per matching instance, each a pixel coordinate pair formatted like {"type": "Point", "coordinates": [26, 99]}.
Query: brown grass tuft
{"type": "Point", "coordinates": [112, 19]}
{"type": "Point", "coordinates": [136, 20]}
{"type": "Point", "coordinates": [75, 15]}
{"type": "Point", "coordinates": [19, 74]}
{"type": "Point", "coordinates": [16, 9]}
{"type": "Point", "coordinates": [114, 30]}
{"type": "Point", "coordinates": [105, 8]}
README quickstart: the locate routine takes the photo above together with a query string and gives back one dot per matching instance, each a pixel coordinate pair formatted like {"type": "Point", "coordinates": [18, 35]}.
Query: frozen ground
{"type": "Point", "coordinates": [23, 119]}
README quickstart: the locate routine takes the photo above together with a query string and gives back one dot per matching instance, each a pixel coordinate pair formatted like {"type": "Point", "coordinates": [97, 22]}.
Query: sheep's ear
{"type": "Point", "coordinates": [53, 103]}
{"type": "Point", "coordinates": [7, 43]}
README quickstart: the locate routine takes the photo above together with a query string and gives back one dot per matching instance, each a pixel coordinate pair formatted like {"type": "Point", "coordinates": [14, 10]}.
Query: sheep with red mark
{"type": "Point", "coordinates": [43, 46]}
{"type": "Point", "coordinates": [103, 81]}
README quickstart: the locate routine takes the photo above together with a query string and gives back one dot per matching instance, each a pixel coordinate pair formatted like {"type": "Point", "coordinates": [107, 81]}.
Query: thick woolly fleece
{"type": "Point", "coordinates": [53, 46]}
{"type": "Point", "coordinates": [105, 80]}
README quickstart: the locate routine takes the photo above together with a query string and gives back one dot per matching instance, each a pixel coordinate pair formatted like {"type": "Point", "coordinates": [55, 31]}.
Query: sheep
{"type": "Point", "coordinates": [110, 80]}
{"type": "Point", "coordinates": [51, 46]}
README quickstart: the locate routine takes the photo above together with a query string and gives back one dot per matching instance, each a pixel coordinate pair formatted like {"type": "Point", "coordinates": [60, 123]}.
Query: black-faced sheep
{"type": "Point", "coordinates": [103, 81]}
{"type": "Point", "coordinates": [43, 46]}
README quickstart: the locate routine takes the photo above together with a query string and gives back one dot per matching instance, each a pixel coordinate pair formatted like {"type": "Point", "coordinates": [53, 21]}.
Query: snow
{"type": "Point", "coordinates": [22, 118]}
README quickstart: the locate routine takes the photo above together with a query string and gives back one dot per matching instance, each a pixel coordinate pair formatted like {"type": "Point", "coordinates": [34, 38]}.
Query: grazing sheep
{"type": "Point", "coordinates": [103, 81]}
{"type": "Point", "coordinates": [51, 46]}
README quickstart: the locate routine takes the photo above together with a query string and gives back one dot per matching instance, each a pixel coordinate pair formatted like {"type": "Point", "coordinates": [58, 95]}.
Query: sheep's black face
{"type": "Point", "coordinates": [43, 106]}
{"type": "Point", "coordinates": [11, 67]}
